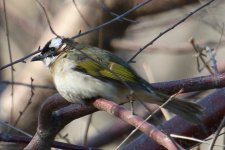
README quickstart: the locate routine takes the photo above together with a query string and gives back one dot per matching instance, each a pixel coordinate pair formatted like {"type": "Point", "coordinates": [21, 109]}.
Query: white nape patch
{"type": "Point", "coordinates": [56, 42]}
{"type": "Point", "coordinates": [48, 60]}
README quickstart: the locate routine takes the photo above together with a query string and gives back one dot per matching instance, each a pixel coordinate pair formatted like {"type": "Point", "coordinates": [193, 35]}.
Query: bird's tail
{"type": "Point", "coordinates": [187, 110]}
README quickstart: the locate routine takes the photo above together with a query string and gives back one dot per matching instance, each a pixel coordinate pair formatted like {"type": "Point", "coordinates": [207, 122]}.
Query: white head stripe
{"type": "Point", "coordinates": [56, 42]}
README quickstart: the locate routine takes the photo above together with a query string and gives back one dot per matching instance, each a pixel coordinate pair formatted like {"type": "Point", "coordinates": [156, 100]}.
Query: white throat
{"type": "Point", "coordinates": [49, 60]}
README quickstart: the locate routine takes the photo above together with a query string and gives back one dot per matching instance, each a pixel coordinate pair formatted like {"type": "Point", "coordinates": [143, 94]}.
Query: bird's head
{"type": "Point", "coordinates": [50, 51]}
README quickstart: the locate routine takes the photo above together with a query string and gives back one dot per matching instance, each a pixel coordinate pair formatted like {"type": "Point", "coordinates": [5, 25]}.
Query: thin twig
{"type": "Point", "coordinates": [222, 124]}
{"type": "Point", "coordinates": [64, 137]}
{"type": "Point", "coordinates": [88, 123]}
{"type": "Point", "coordinates": [51, 87]}
{"type": "Point", "coordinates": [214, 23]}
{"type": "Point", "coordinates": [168, 29]}
{"type": "Point", "coordinates": [181, 48]}
{"type": "Point", "coordinates": [100, 31]}
{"type": "Point", "coordinates": [106, 9]}
{"type": "Point", "coordinates": [159, 123]}
{"type": "Point", "coordinates": [207, 139]}
{"type": "Point", "coordinates": [149, 76]}
{"type": "Point", "coordinates": [47, 18]}
{"type": "Point", "coordinates": [81, 15]}
{"type": "Point", "coordinates": [28, 102]}
{"type": "Point", "coordinates": [113, 20]}
{"type": "Point", "coordinates": [159, 108]}
{"type": "Point", "coordinates": [14, 128]}
{"type": "Point", "coordinates": [193, 139]}
{"type": "Point", "coordinates": [221, 38]}
{"type": "Point", "coordinates": [20, 60]}
{"type": "Point", "coordinates": [10, 57]}
{"type": "Point", "coordinates": [7, 35]}
{"type": "Point", "coordinates": [213, 53]}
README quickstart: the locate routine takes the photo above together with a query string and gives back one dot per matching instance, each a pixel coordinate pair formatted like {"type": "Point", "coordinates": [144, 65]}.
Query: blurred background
{"type": "Point", "coordinates": [171, 57]}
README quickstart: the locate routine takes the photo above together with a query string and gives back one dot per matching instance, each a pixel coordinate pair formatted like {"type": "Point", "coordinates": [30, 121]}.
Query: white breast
{"type": "Point", "coordinates": [75, 86]}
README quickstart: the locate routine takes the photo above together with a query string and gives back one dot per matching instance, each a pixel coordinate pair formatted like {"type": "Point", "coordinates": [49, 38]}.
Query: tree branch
{"type": "Point", "coordinates": [211, 118]}
{"type": "Point", "coordinates": [50, 124]}
{"type": "Point", "coordinates": [50, 121]}
{"type": "Point", "coordinates": [6, 137]}
{"type": "Point", "coordinates": [191, 84]}
{"type": "Point", "coordinates": [170, 87]}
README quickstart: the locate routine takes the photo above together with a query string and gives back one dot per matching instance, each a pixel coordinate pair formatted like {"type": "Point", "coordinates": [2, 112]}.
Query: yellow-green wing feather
{"type": "Point", "coordinates": [120, 71]}
{"type": "Point", "coordinates": [109, 66]}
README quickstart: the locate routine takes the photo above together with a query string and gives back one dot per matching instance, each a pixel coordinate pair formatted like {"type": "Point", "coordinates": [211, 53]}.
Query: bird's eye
{"type": "Point", "coordinates": [52, 49]}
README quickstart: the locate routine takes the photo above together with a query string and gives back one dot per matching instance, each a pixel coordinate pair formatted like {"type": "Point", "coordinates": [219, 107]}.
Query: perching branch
{"type": "Point", "coordinates": [63, 112]}
{"type": "Point", "coordinates": [49, 124]}
{"type": "Point", "coordinates": [136, 121]}
{"type": "Point", "coordinates": [190, 85]}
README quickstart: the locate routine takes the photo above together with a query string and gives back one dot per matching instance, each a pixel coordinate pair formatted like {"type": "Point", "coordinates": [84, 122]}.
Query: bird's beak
{"type": "Point", "coordinates": [38, 58]}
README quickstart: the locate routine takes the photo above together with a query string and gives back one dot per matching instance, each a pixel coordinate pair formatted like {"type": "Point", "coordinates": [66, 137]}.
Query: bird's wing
{"type": "Point", "coordinates": [104, 65]}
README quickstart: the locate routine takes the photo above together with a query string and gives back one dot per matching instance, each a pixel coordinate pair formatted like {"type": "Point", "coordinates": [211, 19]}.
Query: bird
{"type": "Point", "coordinates": [82, 72]}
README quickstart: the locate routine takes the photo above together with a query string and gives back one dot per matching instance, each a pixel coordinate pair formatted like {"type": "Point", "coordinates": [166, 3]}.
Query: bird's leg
{"type": "Point", "coordinates": [131, 97]}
